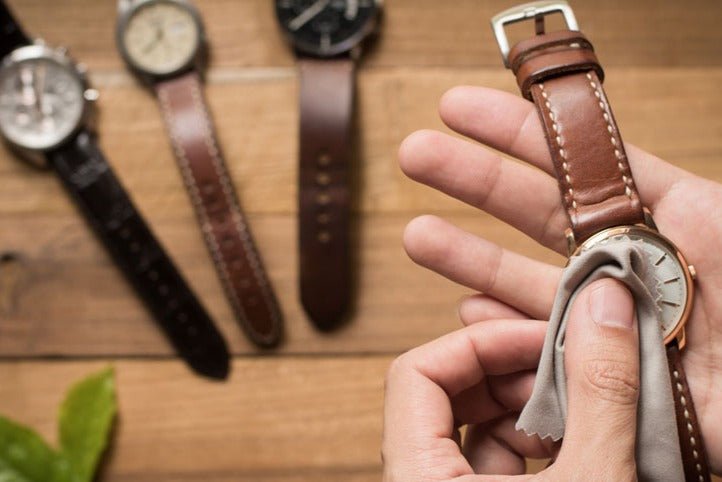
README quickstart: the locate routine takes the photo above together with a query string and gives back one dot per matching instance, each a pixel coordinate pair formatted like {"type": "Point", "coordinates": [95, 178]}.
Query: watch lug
{"type": "Point", "coordinates": [681, 339]}
{"type": "Point", "coordinates": [571, 242]}
{"type": "Point", "coordinates": [649, 220]}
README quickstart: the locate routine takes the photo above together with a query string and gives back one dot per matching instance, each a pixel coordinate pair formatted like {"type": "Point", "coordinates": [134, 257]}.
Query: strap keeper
{"type": "Point", "coordinates": [551, 55]}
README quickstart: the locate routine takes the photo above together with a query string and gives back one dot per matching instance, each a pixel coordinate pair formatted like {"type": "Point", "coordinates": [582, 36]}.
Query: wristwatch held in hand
{"type": "Point", "coordinates": [560, 73]}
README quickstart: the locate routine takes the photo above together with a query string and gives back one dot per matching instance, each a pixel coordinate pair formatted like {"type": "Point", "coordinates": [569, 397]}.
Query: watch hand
{"type": "Point", "coordinates": [351, 9]}
{"type": "Point", "coordinates": [308, 14]}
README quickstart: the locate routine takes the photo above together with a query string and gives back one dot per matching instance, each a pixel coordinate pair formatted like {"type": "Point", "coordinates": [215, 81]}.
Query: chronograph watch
{"type": "Point", "coordinates": [163, 42]}
{"type": "Point", "coordinates": [326, 36]}
{"type": "Point", "coordinates": [559, 72]}
{"type": "Point", "coordinates": [46, 109]}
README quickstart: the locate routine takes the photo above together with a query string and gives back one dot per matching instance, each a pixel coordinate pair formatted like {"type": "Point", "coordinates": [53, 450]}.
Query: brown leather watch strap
{"type": "Point", "coordinates": [694, 454]}
{"type": "Point", "coordinates": [224, 226]}
{"type": "Point", "coordinates": [326, 101]}
{"type": "Point", "coordinates": [559, 72]}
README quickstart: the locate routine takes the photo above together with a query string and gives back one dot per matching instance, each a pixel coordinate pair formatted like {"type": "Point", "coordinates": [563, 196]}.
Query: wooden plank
{"type": "Point", "coordinates": [280, 420]}
{"type": "Point", "coordinates": [67, 298]}
{"type": "Point", "coordinates": [414, 32]}
{"type": "Point", "coordinates": [276, 420]}
{"type": "Point", "coordinates": [672, 112]}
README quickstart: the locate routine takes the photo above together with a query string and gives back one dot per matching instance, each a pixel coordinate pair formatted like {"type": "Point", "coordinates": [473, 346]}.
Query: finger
{"type": "Point", "coordinates": [499, 395]}
{"type": "Point", "coordinates": [479, 177]}
{"type": "Point", "coordinates": [516, 280]}
{"type": "Point", "coordinates": [602, 366]}
{"type": "Point", "coordinates": [498, 448]}
{"type": "Point", "coordinates": [510, 124]}
{"type": "Point", "coordinates": [418, 417]}
{"type": "Point", "coordinates": [480, 307]}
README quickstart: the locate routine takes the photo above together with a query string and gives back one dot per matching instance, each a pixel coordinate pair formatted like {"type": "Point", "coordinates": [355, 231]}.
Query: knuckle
{"type": "Point", "coordinates": [612, 380]}
{"type": "Point", "coordinates": [398, 367]}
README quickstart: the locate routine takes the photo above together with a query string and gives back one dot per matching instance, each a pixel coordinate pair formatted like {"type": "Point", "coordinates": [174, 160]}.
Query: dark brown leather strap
{"type": "Point", "coordinates": [224, 226]}
{"type": "Point", "coordinates": [694, 454]}
{"type": "Point", "coordinates": [560, 74]}
{"type": "Point", "coordinates": [327, 99]}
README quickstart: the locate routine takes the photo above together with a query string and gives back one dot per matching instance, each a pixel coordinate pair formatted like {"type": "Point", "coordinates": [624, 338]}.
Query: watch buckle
{"type": "Point", "coordinates": [536, 10]}
{"type": "Point", "coordinates": [571, 242]}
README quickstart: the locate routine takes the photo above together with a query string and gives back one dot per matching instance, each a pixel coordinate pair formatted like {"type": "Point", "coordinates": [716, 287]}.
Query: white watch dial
{"type": "Point", "coordinates": [671, 273]}
{"type": "Point", "coordinates": [41, 102]}
{"type": "Point", "coordinates": [161, 37]}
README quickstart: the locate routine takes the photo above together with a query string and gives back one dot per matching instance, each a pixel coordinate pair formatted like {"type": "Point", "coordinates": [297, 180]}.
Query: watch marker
{"type": "Point", "coordinates": [670, 303]}
{"type": "Point", "coordinates": [660, 259]}
{"type": "Point", "coordinates": [672, 280]}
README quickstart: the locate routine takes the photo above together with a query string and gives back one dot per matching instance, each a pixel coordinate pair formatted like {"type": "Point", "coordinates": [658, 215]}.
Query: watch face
{"type": "Point", "coordinates": [669, 268]}
{"type": "Point", "coordinates": [41, 98]}
{"type": "Point", "coordinates": [326, 27]}
{"type": "Point", "coordinates": [160, 37]}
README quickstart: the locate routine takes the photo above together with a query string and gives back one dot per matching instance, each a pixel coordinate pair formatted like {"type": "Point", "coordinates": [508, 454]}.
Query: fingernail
{"type": "Point", "coordinates": [611, 304]}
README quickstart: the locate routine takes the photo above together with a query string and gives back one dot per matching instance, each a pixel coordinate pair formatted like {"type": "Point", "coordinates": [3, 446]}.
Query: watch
{"type": "Point", "coordinates": [327, 36]}
{"type": "Point", "coordinates": [45, 111]}
{"type": "Point", "coordinates": [559, 72]}
{"type": "Point", "coordinates": [163, 42]}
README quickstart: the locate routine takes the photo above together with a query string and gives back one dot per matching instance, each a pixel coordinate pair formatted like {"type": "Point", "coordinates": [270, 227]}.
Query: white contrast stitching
{"type": "Point", "coordinates": [249, 252]}
{"type": "Point", "coordinates": [690, 428]}
{"type": "Point", "coordinates": [628, 183]}
{"type": "Point", "coordinates": [558, 139]}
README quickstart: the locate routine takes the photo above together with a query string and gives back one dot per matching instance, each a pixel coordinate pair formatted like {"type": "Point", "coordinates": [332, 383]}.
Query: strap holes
{"type": "Point", "coordinates": [323, 218]}
{"type": "Point", "coordinates": [153, 275]}
{"type": "Point", "coordinates": [163, 290]}
{"type": "Point", "coordinates": [125, 233]}
{"type": "Point", "coordinates": [324, 159]}
{"type": "Point", "coordinates": [245, 283]}
{"type": "Point", "coordinates": [323, 199]}
{"type": "Point", "coordinates": [208, 189]}
{"type": "Point", "coordinates": [323, 179]}
{"type": "Point", "coordinates": [251, 301]}
{"type": "Point", "coordinates": [182, 318]}
{"type": "Point", "coordinates": [324, 237]}
{"type": "Point", "coordinates": [134, 247]}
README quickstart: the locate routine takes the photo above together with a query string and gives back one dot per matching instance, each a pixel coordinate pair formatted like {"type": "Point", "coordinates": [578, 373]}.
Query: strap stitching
{"type": "Point", "coordinates": [559, 141]}
{"type": "Point", "coordinates": [206, 226]}
{"type": "Point", "coordinates": [690, 426]}
{"type": "Point", "coordinates": [628, 182]}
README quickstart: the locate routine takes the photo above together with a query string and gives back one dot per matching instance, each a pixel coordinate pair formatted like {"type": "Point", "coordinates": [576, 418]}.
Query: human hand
{"type": "Point", "coordinates": [481, 376]}
{"type": "Point", "coordinates": [685, 208]}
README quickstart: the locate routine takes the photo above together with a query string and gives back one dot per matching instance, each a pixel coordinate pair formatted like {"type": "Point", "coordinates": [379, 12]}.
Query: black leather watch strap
{"type": "Point", "coordinates": [98, 193]}
{"type": "Point", "coordinates": [12, 35]}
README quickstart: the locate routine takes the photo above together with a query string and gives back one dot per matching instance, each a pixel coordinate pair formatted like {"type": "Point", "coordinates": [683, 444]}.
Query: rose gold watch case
{"type": "Point", "coordinates": [678, 333]}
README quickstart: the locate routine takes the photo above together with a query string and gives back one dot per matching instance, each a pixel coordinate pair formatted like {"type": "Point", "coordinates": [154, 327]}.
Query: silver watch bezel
{"type": "Point", "coordinates": [39, 51]}
{"type": "Point", "coordinates": [126, 10]}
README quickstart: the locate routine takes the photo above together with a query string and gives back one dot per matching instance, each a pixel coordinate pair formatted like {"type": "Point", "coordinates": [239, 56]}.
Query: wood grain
{"type": "Point", "coordinates": [314, 412]}
{"type": "Point", "coordinates": [414, 32]}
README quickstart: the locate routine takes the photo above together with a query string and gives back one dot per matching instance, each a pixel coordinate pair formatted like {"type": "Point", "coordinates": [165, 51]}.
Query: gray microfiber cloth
{"type": "Point", "coordinates": [658, 453]}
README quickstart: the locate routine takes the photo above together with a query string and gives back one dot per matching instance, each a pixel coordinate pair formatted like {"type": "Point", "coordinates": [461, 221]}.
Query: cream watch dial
{"type": "Point", "coordinates": [669, 269]}
{"type": "Point", "coordinates": [41, 102]}
{"type": "Point", "coordinates": [161, 37]}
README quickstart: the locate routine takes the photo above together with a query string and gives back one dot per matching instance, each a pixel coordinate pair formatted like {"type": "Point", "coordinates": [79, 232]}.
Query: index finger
{"type": "Point", "coordinates": [418, 417]}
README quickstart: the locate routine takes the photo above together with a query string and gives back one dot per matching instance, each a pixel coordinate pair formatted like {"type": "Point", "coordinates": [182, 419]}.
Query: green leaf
{"type": "Point", "coordinates": [25, 457]}
{"type": "Point", "coordinates": [86, 419]}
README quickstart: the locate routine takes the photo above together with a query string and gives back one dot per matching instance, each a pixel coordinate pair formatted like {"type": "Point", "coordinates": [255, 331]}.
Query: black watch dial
{"type": "Point", "coordinates": [326, 27]}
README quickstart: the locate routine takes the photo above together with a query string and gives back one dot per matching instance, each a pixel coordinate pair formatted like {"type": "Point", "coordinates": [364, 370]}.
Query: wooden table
{"type": "Point", "coordinates": [310, 411]}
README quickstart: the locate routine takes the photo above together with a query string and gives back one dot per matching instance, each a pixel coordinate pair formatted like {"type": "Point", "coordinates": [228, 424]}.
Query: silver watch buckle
{"type": "Point", "coordinates": [527, 11]}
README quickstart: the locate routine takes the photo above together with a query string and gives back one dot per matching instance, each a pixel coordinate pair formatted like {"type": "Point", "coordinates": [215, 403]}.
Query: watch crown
{"type": "Point", "coordinates": [692, 272]}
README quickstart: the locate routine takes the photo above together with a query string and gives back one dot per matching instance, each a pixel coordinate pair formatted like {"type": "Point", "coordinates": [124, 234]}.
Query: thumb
{"type": "Point", "coordinates": [602, 366]}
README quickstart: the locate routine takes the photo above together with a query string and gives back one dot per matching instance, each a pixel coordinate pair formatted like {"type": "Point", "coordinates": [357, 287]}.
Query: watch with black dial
{"type": "Point", "coordinates": [45, 109]}
{"type": "Point", "coordinates": [559, 72]}
{"type": "Point", "coordinates": [327, 36]}
{"type": "Point", "coordinates": [163, 42]}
